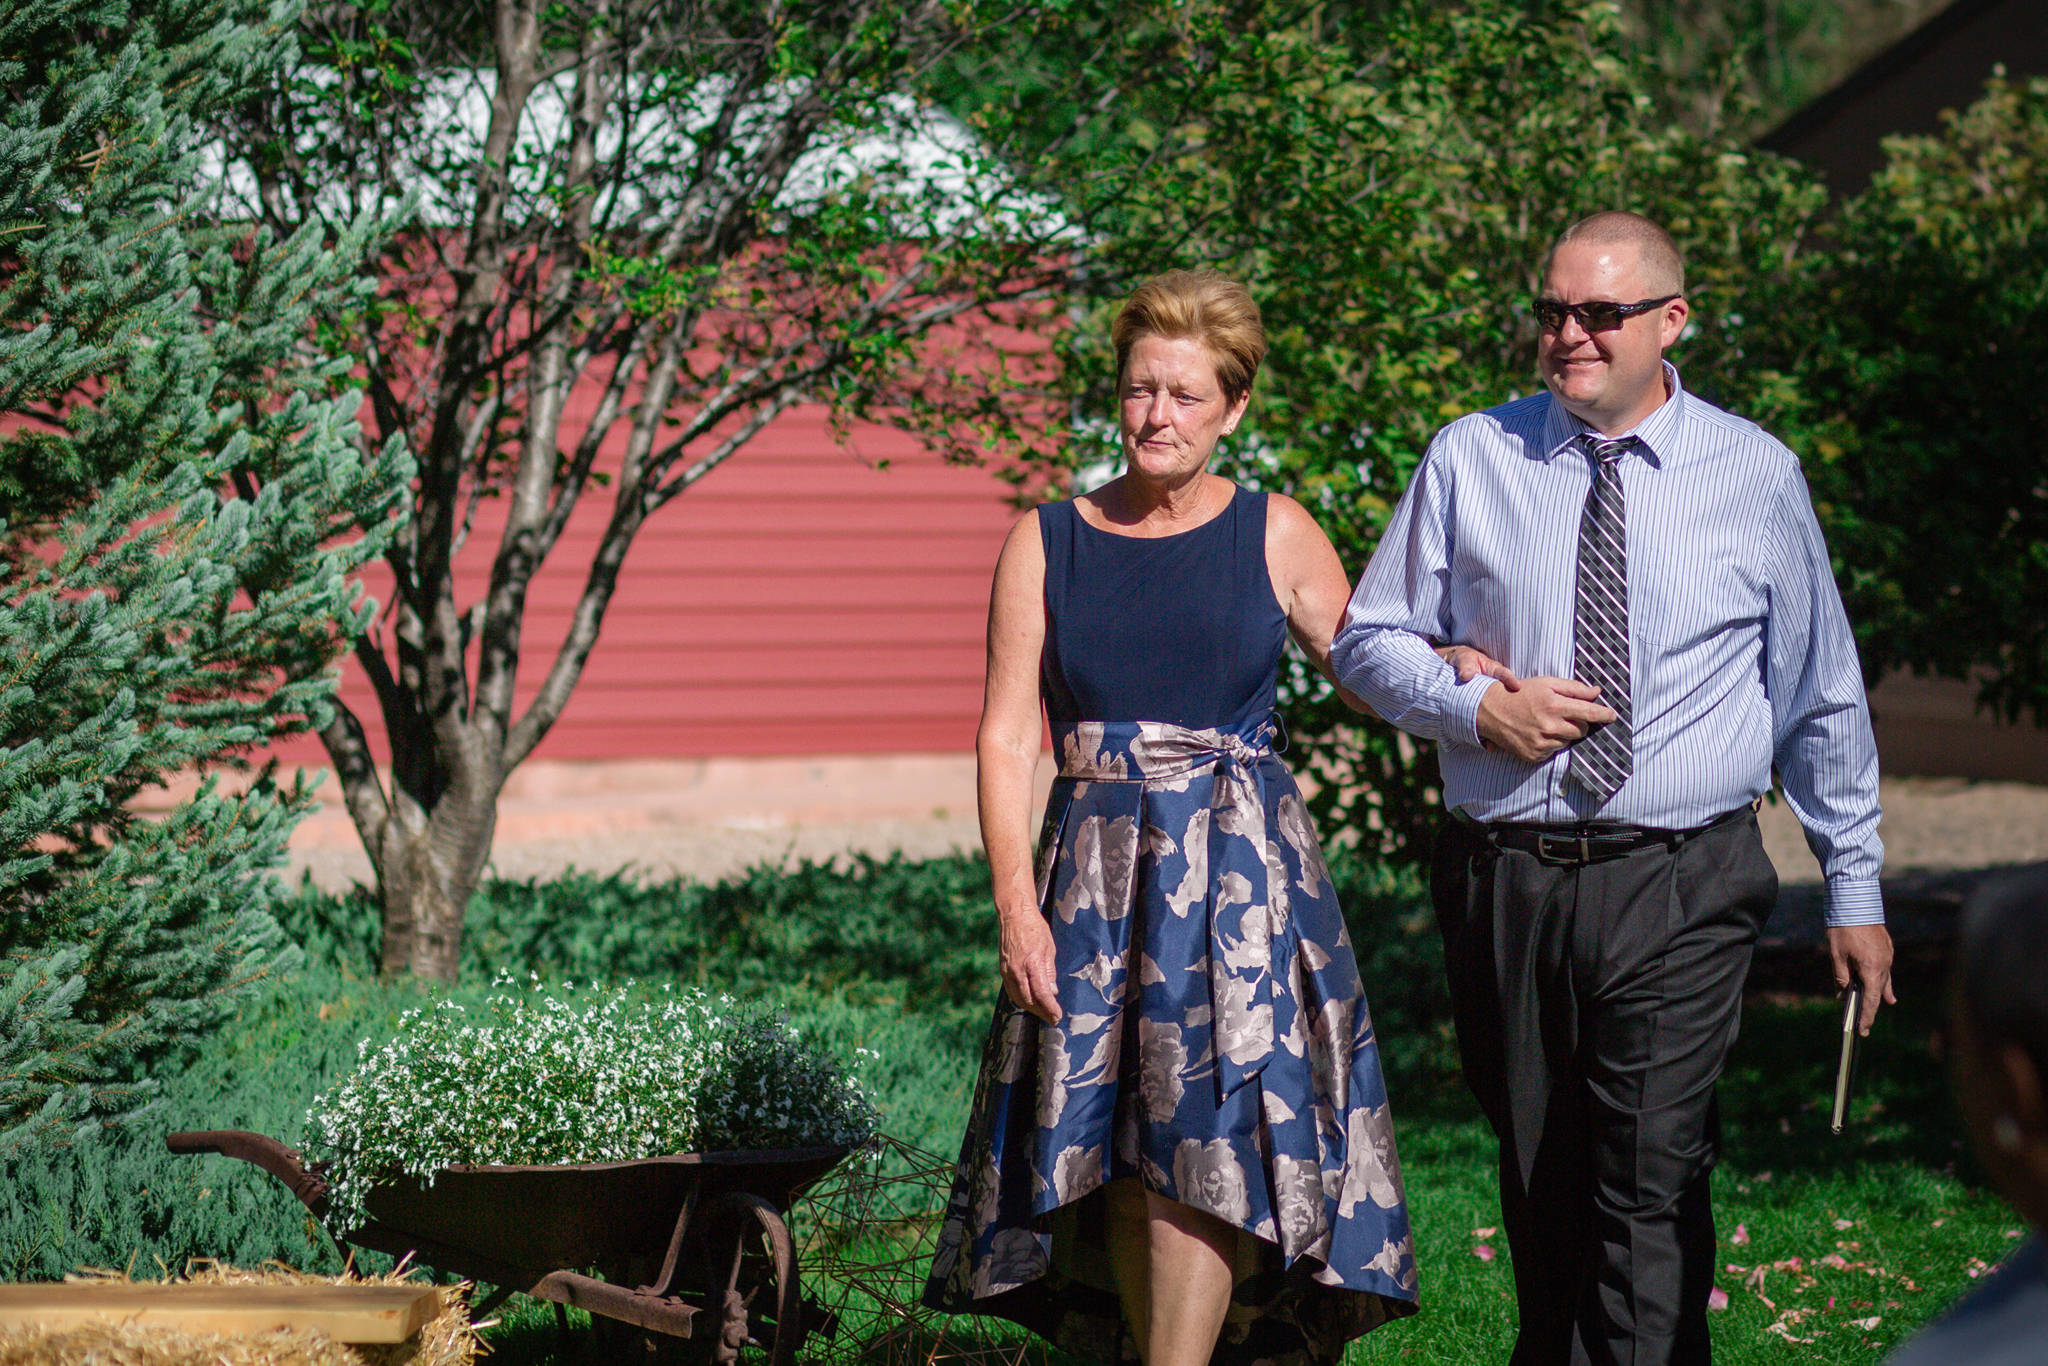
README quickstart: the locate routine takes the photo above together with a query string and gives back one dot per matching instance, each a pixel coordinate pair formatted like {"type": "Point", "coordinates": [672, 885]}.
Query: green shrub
{"type": "Point", "coordinates": [918, 936]}
{"type": "Point", "coordinates": [773, 1088]}
{"type": "Point", "coordinates": [1906, 368]}
{"type": "Point", "coordinates": [1401, 960]}
{"type": "Point", "coordinates": [914, 936]}
{"type": "Point", "coordinates": [889, 933]}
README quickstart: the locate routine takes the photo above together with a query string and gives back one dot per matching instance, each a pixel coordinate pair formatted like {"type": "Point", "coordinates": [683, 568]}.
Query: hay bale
{"type": "Point", "coordinates": [107, 1344]}
{"type": "Point", "coordinates": [446, 1340]}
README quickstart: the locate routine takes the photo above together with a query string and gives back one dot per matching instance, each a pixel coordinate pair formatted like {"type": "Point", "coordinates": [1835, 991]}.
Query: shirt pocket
{"type": "Point", "coordinates": [1682, 599]}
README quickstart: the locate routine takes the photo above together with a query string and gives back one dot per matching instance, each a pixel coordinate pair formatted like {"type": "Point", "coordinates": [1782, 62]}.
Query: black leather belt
{"type": "Point", "coordinates": [1570, 846]}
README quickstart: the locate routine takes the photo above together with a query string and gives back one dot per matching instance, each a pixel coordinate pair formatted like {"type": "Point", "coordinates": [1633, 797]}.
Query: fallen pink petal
{"type": "Point", "coordinates": [1717, 1298]}
{"type": "Point", "coordinates": [1484, 1252]}
{"type": "Point", "coordinates": [1486, 1232]}
{"type": "Point", "coordinates": [1741, 1235]}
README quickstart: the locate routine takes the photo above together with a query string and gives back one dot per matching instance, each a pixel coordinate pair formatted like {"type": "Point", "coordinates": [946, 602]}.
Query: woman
{"type": "Point", "coordinates": [1181, 1114]}
{"type": "Point", "coordinates": [1998, 1057]}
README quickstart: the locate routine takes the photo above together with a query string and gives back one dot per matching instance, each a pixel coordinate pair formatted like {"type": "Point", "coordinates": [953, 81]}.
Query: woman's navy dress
{"type": "Point", "coordinates": [1215, 1042]}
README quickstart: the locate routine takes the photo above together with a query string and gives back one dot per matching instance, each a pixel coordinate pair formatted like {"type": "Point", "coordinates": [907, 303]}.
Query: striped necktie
{"type": "Point", "coordinates": [1603, 760]}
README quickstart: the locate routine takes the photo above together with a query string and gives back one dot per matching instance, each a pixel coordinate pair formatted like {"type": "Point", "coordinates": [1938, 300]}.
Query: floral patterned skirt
{"type": "Point", "coordinates": [1215, 1045]}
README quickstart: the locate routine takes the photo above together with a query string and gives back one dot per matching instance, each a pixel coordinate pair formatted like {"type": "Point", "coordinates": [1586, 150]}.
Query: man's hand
{"type": "Point", "coordinates": [1867, 951]}
{"type": "Point", "coordinates": [1539, 717]}
{"type": "Point", "coordinates": [1470, 662]}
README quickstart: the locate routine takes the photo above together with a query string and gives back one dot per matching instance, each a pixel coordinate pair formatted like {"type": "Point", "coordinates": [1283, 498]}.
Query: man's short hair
{"type": "Point", "coordinates": [2002, 964]}
{"type": "Point", "coordinates": [1662, 264]}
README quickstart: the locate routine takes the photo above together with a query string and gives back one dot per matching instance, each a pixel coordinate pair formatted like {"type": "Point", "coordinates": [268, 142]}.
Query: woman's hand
{"type": "Point", "coordinates": [1029, 972]}
{"type": "Point", "coordinates": [1471, 662]}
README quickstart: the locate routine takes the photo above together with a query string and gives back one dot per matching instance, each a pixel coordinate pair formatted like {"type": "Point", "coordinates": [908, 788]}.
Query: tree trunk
{"type": "Point", "coordinates": [428, 865]}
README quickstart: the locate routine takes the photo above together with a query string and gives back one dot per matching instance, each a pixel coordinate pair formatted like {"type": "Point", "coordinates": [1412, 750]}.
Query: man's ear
{"type": "Point", "coordinates": [1675, 316]}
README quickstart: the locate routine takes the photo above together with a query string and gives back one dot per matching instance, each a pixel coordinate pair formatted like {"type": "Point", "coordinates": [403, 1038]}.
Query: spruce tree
{"type": "Point", "coordinates": [184, 492]}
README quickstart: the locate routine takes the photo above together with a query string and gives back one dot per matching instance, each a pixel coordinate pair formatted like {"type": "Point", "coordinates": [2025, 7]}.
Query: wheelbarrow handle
{"type": "Point", "coordinates": [258, 1150]}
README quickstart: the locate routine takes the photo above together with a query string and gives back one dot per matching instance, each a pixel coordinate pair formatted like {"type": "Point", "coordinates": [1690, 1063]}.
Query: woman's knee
{"type": "Point", "coordinates": [1177, 1221]}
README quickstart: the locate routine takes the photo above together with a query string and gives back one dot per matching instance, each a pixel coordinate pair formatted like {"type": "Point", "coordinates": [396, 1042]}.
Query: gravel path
{"type": "Point", "coordinates": [1930, 824]}
{"type": "Point", "coordinates": [704, 852]}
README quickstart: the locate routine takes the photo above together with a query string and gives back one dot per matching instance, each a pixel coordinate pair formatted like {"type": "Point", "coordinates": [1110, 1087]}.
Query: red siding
{"type": "Point", "coordinates": [798, 600]}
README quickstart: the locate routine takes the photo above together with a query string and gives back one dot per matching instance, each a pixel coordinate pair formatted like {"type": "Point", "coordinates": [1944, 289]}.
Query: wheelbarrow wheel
{"type": "Point", "coordinates": [755, 1290]}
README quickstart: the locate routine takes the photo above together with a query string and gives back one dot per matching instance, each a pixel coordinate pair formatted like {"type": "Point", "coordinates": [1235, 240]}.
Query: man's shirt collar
{"type": "Point", "coordinates": [1656, 432]}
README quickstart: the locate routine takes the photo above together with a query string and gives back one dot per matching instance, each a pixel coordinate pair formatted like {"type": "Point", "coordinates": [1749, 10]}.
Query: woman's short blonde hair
{"type": "Point", "coordinates": [1210, 307]}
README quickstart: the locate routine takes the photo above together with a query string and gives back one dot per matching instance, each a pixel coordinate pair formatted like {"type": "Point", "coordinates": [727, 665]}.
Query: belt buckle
{"type": "Point", "coordinates": [1575, 850]}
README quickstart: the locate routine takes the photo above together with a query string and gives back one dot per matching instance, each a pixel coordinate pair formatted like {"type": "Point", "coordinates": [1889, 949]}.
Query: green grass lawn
{"type": "Point", "coordinates": [1862, 1237]}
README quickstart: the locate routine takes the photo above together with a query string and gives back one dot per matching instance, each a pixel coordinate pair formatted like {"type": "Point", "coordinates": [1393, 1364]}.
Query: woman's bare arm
{"type": "Point", "coordinates": [1006, 751]}
{"type": "Point", "coordinates": [1308, 579]}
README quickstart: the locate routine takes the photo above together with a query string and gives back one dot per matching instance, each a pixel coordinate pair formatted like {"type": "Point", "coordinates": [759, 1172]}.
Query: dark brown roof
{"type": "Point", "coordinates": [1904, 89]}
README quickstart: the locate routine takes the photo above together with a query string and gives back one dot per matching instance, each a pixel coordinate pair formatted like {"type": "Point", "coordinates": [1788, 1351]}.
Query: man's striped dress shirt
{"type": "Point", "coordinates": [1742, 656]}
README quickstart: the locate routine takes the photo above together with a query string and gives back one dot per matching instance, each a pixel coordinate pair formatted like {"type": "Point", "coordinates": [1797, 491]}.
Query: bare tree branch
{"type": "Point", "coordinates": [348, 745]}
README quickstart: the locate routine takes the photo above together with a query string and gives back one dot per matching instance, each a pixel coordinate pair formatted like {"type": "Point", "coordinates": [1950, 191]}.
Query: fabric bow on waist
{"type": "Point", "coordinates": [1215, 835]}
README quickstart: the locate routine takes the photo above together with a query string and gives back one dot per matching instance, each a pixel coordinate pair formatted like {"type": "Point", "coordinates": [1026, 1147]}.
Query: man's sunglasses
{"type": "Point", "coordinates": [1597, 315]}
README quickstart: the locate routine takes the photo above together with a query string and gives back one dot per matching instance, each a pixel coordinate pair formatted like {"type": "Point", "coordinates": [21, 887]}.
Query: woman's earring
{"type": "Point", "coordinates": [2005, 1132]}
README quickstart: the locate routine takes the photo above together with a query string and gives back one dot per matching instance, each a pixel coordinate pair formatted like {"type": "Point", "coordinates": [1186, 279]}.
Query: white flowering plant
{"type": "Point", "coordinates": [536, 1076]}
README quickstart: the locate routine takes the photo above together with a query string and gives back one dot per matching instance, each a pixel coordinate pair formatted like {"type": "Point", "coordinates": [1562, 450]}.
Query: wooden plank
{"type": "Point", "coordinates": [346, 1313]}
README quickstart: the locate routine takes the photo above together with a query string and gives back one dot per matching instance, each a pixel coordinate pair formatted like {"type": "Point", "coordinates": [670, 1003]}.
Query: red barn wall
{"type": "Point", "coordinates": [805, 598]}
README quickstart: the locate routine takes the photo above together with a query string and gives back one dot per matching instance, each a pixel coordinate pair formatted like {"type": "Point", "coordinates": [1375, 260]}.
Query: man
{"type": "Point", "coordinates": [1648, 572]}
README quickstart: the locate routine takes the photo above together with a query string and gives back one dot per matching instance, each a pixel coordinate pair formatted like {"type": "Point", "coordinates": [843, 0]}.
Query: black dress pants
{"type": "Point", "coordinates": [1595, 1006]}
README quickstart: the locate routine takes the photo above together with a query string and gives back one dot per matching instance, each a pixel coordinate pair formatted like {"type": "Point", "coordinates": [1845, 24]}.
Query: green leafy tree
{"type": "Point", "coordinates": [185, 492]}
{"type": "Point", "coordinates": [1914, 354]}
{"type": "Point", "coordinates": [1388, 189]}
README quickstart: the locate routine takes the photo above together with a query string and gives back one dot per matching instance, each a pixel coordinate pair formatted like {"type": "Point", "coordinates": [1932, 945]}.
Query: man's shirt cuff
{"type": "Point", "coordinates": [1854, 901]}
{"type": "Point", "coordinates": [1461, 710]}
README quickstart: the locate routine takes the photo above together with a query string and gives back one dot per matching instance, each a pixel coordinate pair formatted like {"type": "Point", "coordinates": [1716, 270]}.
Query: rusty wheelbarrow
{"type": "Point", "coordinates": [692, 1246]}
